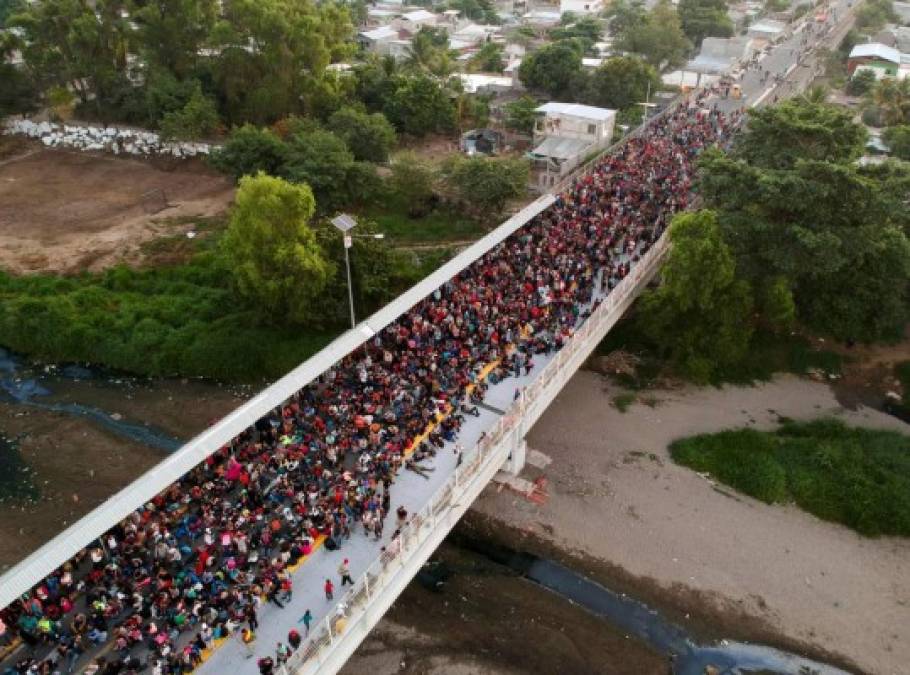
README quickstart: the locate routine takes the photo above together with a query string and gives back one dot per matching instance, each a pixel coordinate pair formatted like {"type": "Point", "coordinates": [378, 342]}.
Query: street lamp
{"type": "Point", "coordinates": [345, 224]}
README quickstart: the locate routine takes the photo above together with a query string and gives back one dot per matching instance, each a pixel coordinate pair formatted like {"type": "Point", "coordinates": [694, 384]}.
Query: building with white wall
{"type": "Point", "coordinates": [565, 134]}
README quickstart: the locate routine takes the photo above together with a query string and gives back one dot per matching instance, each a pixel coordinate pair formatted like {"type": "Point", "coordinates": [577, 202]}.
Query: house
{"type": "Point", "coordinates": [385, 41]}
{"type": "Point", "coordinates": [718, 55]}
{"type": "Point", "coordinates": [419, 18]}
{"type": "Point", "coordinates": [541, 18]}
{"type": "Point", "coordinates": [767, 29]}
{"type": "Point", "coordinates": [580, 7]}
{"type": "Point", "coordinates": [473, 34]}
{"type": "Point", "coordinates": [874, 54]}
{"type": "Point", "coordinates": [564, 135]}
{"type": "Point", "coordinates": [902, 9]}
{"type": "Point", "coordinates": [480, 83]}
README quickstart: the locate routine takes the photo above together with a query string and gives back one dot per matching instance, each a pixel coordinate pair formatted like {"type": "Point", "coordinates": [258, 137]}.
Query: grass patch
{"type": "Point", "coordinates": [440, 225]}
{"type": "Point", "coordinates": [857, 477]}
{"type": "Point", "coordinates": [622, 401]}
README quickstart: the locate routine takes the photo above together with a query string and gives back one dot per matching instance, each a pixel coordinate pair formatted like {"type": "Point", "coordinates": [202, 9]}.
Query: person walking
{"type": "Point", "coordinates": [306, 620]}
{"type": "Point", "coordinates": [329, 589]}
{"type": "Point", "coordinates": [344, 571]}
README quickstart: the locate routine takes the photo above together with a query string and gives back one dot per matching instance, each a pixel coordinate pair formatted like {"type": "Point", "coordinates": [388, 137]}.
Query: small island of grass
{"type": "Point", "coordinates": [857, 477]}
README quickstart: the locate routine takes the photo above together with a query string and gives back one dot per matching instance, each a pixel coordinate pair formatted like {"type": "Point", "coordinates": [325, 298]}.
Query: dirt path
{"type": "Point", "coordinates": [616, 495]}
{"type": "Point", "coordinates": [67, 212]}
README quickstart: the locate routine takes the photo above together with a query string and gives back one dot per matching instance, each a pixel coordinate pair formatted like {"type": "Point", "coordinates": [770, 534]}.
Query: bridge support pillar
{"type": "Point", "coordinates": [516, 461]}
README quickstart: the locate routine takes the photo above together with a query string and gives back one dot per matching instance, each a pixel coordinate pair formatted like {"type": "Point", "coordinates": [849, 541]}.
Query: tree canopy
{"type": "Point", "coordinates": [277, 264]}
{"type": "Point", "coordinates": [486, 184]}
{"type": "Point", "coordinates": [656, 35]}
{"type": "Point", "coordinates": [699, 315]}
{"type": "Point", "coordinates": [554, 68]}
{"type": "Point", "coordinates": [704, 18]}
{"type": "Point", "coordinates": [797, 212]}
{"type": "Point", "coordinates": [621, 82]}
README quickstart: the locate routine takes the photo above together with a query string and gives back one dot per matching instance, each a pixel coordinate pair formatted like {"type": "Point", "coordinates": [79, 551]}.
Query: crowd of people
{"type": "Point", "coordinates": [196, 563]}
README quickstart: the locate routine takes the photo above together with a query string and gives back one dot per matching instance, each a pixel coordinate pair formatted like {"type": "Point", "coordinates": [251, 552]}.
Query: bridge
{"type": "Point", "coordinates": [494, 442]}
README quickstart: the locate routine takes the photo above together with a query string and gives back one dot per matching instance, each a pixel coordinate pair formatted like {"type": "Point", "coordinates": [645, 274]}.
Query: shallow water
{"type": "Point", "coordinates": [640, 620]}
{"type": "Point", "coordinates": [26, 386]}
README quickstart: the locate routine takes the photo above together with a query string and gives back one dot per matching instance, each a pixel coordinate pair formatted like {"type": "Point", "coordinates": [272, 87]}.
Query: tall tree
{"type": "Point", "coordinates": [621, 82]}
{"type": "Point", "coordinates": [487, 184]}
{"type": "Point", "coordinates": [420, 105]}
{"type": "Point", "coordinates": [554, 69]}
{"type": "Point", "coordinates": [658, 37]}
{"type": "Point", "coordinates": [779, 136]}
{"type": "Point", "coordinates": [369, 137]}
{"type": "Point", "coordinates": [277, 263]}
{"type": "Point", "coordinates": [704, 18]}
{"type": "Point", "coordinates": [171, 32]}
{"type": "Point", "coordinates": [700, 314]}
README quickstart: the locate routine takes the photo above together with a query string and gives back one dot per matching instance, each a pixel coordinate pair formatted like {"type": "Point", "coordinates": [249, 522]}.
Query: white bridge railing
{"type": "Point", "coordinates": [334, 639]}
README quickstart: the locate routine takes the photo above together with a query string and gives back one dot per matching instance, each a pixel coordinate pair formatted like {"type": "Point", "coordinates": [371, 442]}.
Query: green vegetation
{"type": "Point", "coordinates": [276, 263]}
{"type": "Point", "coordinates": [483, 184]}
{"type": "Point", "coordinates": [872, 15]}
{"type": "Point", "coordinates": [898, 140]}
{"type": "Point", "coordinates": [437, 223]}
{"type": "Point", "coordinates": [622, 401]}
{"type": "Point", "coordinates": [857, 477]}
{"type": "Point", "coordinates": [797, 236]}
{"type": "Point", "coordinates": [520, 115]}
{"type": "Point", "coordinates": [704, 18]}
{"type": "Point", "coordinates": [656, 35]}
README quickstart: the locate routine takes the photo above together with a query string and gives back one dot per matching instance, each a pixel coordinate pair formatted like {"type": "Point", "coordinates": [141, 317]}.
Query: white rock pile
{"type": "Point", "coordinates": [104, 139]}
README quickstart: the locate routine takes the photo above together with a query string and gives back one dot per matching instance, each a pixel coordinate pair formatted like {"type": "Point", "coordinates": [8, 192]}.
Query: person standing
{"type": "Point", "coordinates": [344, 571]}
{"type": "Point", "coordinates": [294, 639]}
{"type": "Point", "coordinates": [329, 589]}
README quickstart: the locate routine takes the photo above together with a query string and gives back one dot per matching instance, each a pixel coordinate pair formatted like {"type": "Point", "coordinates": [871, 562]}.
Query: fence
{"type": "Point", "coordinates": [377, 588]}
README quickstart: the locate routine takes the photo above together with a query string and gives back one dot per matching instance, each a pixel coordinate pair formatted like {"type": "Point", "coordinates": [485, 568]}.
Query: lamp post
{"type": "Point", "coordinates": [345, 224]}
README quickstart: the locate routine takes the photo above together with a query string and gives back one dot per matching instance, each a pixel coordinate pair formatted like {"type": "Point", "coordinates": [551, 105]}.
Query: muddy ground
{"type": "Point", "coordinates": [66, 211]}
{"type": "Point", "coordinates": [488, 620]}
{"type": "Point", "coordinates": [76, 464]}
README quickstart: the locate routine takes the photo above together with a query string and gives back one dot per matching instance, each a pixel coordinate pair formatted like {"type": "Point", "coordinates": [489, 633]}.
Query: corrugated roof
{"type": "Point", "coordinates": [577, 110]}
{"type": "Point", "coordinates": [876, 50]}
{"type": "Point", "coordinates": [23, 576]}
{"type": "Point", "coordinates": [559, 147]}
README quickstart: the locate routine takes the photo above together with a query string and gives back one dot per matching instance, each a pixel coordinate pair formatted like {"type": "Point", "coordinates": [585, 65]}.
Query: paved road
{"type": "Point", "coordinates": [793, 59]}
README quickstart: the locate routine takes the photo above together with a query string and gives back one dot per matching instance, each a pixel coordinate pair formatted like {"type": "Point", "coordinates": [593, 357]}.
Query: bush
{"type": "Point", "coordinates": [196, 120]}
{"type": "Point", "coordinates": [861, 83]}
{"type": "Point", "coordinates": [857, 477]}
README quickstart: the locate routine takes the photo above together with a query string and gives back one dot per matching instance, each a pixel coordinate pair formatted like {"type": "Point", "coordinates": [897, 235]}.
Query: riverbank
{"type": "Point", "coordinates": [488, 620]}
{"type": "Point", "coordinates": [737, 567]}
{"type": "Point", "coordinates": [74, 463]}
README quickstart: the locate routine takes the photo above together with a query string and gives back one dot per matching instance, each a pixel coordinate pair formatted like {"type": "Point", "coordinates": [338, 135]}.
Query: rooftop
{"type": "Point", "coordinates": [576, 110]}
{"type": "Point", "coordinates": [876, 50]}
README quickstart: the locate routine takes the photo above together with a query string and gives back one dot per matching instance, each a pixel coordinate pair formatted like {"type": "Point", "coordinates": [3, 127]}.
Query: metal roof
{"type": "Point", "coordinates": [876, 50]}
{"type": "Point", "coordinates": [22, 577]}
{"type": "Point", "coordinates": [587, 112]}
{"type": "Point", "coordinates": [559, 147]}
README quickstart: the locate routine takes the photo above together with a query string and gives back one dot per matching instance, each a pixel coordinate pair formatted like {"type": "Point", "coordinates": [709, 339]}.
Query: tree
{"type": "Point", "coordinates": [621, 82]}
{"type": "Point", "coordinates": [473, 111]}
{"type": "Point", "coordinates": [587, 29]}
{"type": "Point", "coordinates": [798, 213]}
{"type": "Point", "coordinates": [321, 159]}
{"type": "Point", "coordinates": [704, 18]}
{"type": "Point", "coordinates": [7, 9]}
{"type": "Point", "coordinates": [488, 59]}
{"type": "Point", "coordinates": [892, 98]}
{"type": "Point", "coordinates": [861, 83]}
{"type": "Point", "coordinates": [898, 140]}
{"type": "Point", "coordinates": [278, 266]}
{"type": "Point", "coordinates": [624, 16]}
{"type": "Point", "coordinates": [872, 15]}
{"type": "Point", "coordinates": [369, 136]}
{"type": "Point", "coordinates": [657, 36]}
{"type": "Point", "coordinates": [778, 136]}
{"type": "Point", "coordinates": [477, 10]}
{"type": "Point", "coordinates": [196, 120]}
{"type": "Point", "coordinates": [554, 69]}
{"type": "Point", "coordinates": [700, 315]}
{"type": "Point", "coordinates": [487, 184]}
{"type": "Point", "coordinates": [520, 114]}
{"type": "Point", "coordinates": [419, 105]}
{"type": "Point", "coordinates": [250, 150]}
{"type": "Point", "coordinates": [171, 32]}
{"type": "Point", "coordinates": [429, 53]}
{"type": "Point", "coordinates": [414, 179]}
{"type": "Point", "coordinates": [270, 56]}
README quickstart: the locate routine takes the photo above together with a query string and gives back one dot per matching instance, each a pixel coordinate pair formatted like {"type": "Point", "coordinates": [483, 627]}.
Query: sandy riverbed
{"type": "Point", "coordinates": [616, 495]}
